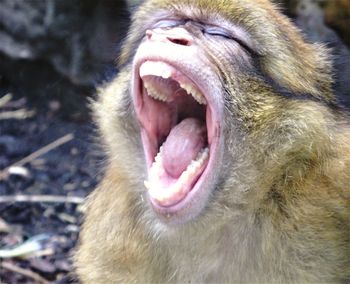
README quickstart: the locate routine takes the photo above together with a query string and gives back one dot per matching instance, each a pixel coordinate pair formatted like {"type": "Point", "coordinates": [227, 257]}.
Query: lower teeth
{"type": "Point", "coordinates": [155, 186]}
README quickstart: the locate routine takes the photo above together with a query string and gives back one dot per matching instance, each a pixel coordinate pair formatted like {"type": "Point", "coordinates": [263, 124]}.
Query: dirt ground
{"type": "Point", "coordinates": [41, 196]}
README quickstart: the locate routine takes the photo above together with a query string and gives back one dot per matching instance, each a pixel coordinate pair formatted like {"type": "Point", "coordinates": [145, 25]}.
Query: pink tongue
{"type": "Point", "coordinates": [182, 145]}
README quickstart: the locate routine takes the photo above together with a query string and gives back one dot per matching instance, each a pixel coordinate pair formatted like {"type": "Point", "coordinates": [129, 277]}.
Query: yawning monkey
{"type": "Point", "coordinates": [229, 158]}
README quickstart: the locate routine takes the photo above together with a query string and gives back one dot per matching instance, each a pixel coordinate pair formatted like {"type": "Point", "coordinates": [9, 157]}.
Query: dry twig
{"type": "Point", "coordinates": [5, 99]}
{"type": "Point", "coordinates": [16, 114]}
{"type": "Point", "coordinates": [41, 198]}
{"type": "Point", "coordinates": [5, 102]}
{"type": "Point", "coordinates": [4, 173]}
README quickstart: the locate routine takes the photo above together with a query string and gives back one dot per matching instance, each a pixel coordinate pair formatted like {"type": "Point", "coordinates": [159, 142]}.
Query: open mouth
{"type": "Point", "coordinates": [178, 133]}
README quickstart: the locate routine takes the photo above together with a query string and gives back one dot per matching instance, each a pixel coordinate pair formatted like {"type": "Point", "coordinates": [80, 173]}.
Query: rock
{"type": "Point", "coordinates": [59, 50]}
{"type": "Point", "coordinates": [77, 37]}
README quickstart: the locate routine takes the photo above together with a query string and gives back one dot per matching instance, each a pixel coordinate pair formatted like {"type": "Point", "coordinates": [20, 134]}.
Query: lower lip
{"type": "Point", "coordinates": [186, 201]}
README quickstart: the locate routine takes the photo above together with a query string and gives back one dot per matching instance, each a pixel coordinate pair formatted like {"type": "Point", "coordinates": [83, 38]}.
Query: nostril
{"type": "Point", "coordinates": [180, 41]}
{"type": "Point", "coordinates": [180, 38]}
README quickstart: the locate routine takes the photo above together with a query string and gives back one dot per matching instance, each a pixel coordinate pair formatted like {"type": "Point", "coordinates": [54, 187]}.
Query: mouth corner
{"type": "Point", "coordinates": [179, 133]}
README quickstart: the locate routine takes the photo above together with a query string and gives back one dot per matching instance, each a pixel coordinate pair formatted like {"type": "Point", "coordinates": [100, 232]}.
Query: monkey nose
{"type": "Point", "coordinates": [177, 36]}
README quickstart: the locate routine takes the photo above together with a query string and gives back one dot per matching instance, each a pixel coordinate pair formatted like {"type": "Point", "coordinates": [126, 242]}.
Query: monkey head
{"type": "Point", "coordinates": [209, 94]}
{"type": "Point", "coordinates": [228, 156]}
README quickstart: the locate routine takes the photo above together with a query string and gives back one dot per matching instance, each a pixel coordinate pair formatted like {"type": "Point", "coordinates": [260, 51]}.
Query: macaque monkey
{"type": "Point", "coordinates": [229, 157]}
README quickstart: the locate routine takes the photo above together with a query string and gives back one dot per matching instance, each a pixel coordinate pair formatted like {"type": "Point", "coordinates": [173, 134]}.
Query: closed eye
{"type": "Point", "coordinates": [217, 31]}
{"type": "Point", "coordinates": [167, 24]}
{"type": "Point", "coordinates": [225, 34]}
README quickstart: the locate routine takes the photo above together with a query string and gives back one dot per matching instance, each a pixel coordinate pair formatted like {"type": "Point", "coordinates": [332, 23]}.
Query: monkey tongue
{"type": "Point", "coordinates": [182, 145]}
{"type": "Point", "coordinates": [179, 163]}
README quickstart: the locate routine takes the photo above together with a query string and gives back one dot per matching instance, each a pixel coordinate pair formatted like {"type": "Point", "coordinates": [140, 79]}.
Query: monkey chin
{"type": "Point", "coordinates": [181, 134]}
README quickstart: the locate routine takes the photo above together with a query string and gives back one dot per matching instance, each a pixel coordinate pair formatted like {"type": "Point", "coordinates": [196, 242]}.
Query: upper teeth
{"type": "Point", "coordinates": [194, 92]}
{"type": "Point", "coordinates": [154, 93]}
{"type": "Point", "coordinates": [189, 88]}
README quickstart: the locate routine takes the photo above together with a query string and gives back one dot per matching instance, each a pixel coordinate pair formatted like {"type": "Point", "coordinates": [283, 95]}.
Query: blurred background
{"type": "Point", "coordinates": [53, 54]}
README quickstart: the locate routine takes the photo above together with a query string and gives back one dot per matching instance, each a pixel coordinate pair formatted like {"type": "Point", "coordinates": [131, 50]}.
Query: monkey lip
{"type": "Point", "coordinates": [178, 133]}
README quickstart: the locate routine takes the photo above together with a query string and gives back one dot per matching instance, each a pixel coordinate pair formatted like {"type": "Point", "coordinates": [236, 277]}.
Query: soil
{"type": "Point", "coordinates": [68, 170]}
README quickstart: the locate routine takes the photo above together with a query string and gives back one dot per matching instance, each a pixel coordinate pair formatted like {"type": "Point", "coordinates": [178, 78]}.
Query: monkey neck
{"type": "Point", "coordinates": [239, 246]}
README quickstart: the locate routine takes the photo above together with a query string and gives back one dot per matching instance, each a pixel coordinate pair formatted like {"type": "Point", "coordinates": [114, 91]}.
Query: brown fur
{"type": "Point", "coordinates": [282, 211]}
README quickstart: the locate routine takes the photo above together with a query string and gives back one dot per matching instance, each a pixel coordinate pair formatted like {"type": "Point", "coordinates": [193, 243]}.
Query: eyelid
{"type": "Point", "coordinates": [167, 23]}
{"type": "Point", "coordinates": [217, 31]}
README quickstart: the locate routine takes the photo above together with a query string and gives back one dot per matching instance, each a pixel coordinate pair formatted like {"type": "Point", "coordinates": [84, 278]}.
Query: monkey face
{"type": "Point", "coordinates": [201, 83]}
{"type": "Point", "coordinates": [178, 96]}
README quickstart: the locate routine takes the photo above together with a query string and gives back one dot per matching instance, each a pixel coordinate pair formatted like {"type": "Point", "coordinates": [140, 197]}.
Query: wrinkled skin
{"type": "Point", "coordinates": [272, 201]}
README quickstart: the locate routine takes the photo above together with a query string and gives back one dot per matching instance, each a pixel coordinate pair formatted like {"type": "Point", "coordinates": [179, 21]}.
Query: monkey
{"type": "Point", "coordinates": [228, 154]}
